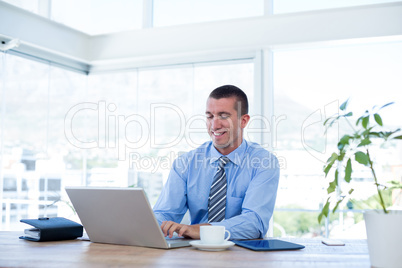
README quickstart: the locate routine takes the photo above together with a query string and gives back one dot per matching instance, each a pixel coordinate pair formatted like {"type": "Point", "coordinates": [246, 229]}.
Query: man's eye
{"type": "Point", "coordinates": [224, 116]}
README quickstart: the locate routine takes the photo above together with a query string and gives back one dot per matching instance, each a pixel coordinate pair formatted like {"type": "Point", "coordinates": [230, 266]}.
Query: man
{"type": "Point", "coordinates": [246, 173]}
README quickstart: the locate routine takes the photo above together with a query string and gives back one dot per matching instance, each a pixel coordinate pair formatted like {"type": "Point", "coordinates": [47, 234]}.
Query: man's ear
{"type": "Point", "coordinates": [244, 120]}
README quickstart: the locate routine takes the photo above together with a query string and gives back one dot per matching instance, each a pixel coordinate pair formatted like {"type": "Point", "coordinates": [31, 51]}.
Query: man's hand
{"type": "Point", "coordinates": [190, 231]}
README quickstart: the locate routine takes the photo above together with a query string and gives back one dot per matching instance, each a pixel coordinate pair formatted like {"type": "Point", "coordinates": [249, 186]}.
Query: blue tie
{"type": "Point", "coordinates": [217, 195]}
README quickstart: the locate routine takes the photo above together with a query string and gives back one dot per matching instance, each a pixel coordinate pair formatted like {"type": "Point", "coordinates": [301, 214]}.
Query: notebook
{"type": "Point", "coordinates": [120, 216]}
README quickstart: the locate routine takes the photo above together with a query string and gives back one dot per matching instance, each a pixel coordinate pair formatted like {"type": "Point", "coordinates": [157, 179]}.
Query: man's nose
{"type": "Point", "coordinates": [216, 123]}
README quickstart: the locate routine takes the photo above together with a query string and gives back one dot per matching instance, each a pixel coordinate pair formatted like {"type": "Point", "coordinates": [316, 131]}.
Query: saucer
{"type": "Point", "coordinates": [211, 247]}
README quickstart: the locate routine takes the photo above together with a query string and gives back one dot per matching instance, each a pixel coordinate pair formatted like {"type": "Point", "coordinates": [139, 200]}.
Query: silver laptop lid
{"type": "Point", "coordinates": [117, 216]}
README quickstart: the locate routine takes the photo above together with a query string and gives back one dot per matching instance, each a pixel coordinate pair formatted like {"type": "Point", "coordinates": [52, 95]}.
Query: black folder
{"type": "Point", "coordinates": [52, 229]}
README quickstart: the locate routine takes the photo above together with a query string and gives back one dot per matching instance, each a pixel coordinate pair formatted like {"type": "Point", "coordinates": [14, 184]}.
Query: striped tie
{"type": "Point", "coordinates": [217, 195]}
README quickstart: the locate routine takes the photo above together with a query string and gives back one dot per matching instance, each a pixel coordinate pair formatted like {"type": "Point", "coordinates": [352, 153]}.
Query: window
{"type": "Point", "coordinates": [29, 5]}
{"type": "Point", "coordinates": [91, 16]}
{"type": "Point", "coordinates": [50, 184]}
{"type": "Point", "coordinates": [35, 154]}
{"type": "Point", "coordinates": [98, 17]}
{"type": "Point", "coordinates": [61, 128]}
{"type": "Point", "coordinates": [174, 12]}
{"type": "Point", "coordinates": [151, 116]}
{"type": "Point", "coordinates": [310, 84]}
{"type": "Point", "coordinates": [289, 6]}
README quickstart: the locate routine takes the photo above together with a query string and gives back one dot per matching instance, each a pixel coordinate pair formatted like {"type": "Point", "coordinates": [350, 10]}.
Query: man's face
{"type": "Point", "coordinates": [223, 124]}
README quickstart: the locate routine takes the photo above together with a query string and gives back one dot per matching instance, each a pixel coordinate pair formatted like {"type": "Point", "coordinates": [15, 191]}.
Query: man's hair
{"type": "Point", "coordinates": [228, 91]}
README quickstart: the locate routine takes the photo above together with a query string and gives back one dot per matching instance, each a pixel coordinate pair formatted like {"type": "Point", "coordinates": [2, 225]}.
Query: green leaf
{"type": "Point", "coordinates": [348, 170]}
{"type": "Point", "coordinates": [378, 119]}
{"type": "Point", "coordinates": [330, 162]}
{"type": "Point", "coordinates": [320, 217]}
{"type": "Point", "coordinates": [344, 105]}
{"type": "Point", "coordinates": [341, 156]}
{"type": "Point", "coordinates": [365, 133]}
{"type": "Point", "coordinates": [348, 114]}
{"type": "Point", "coordinates": [327, 169]}
{"type": "Point", "coordinates": [365, 121]}
{"type": "Point", "coordinates": [336, 177]}
{"type": "Point", "coordinates": [324, 211]}
{"type": "Point", "coordinates": [375, 134]}
{"type": "Point", "coordinates": [398, 137]}
{"type": "Point", "coordinates": [332, 158]}
{"type": "Point", "coordinates": [387, 134]}
{"type": "Point", "coordinates": [326, 121]}
{"type": "Point", "coordinates": [362, 158]}
{"type": "Point", "coordinates": [341, 146]}
{"type": "Point", "coordinates": [351, 191]}
{"type": "Point", "coordinates": [358, 120]}
{"type": "Point", "coordinates": [336, 206]}
{"type": "Point", "coordinates": [356, 136]}
{"type": "Point", "coordinates": [331, 188]}
{"type": "Point", "coordinates": [334, 120]}
{"type": "Point", "coordinates": [332, 185]}
{"type": "Point", "coordinates": [364, 142]}
{"type": "Point", "coordinates": [343, 141]}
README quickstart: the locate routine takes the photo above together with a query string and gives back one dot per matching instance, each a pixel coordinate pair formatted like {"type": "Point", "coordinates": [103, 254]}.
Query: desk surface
{"type": "Point", "coordinates": [16, 252]}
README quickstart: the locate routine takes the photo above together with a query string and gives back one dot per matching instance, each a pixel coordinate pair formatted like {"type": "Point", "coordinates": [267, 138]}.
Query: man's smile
{"type": "Point", "coordinates": [218, 133]}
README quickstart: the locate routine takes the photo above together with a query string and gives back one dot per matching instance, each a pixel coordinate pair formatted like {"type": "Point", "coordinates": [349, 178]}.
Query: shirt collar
{"type": "Point", "coordinates": [236, 156]}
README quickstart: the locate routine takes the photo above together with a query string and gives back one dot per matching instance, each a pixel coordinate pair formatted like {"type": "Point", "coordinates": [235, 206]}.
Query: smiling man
{"type": "Point", "coordinates": [225, 121]}
{"type": "Point", "coordinates": [227, 181]}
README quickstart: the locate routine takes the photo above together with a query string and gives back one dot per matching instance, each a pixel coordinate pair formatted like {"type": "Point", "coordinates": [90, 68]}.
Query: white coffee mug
{"type": "Point", "coordinates": [213, 234]}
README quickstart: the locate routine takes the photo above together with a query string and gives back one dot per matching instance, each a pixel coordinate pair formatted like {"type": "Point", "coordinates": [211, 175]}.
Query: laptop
{"type": "Point", "coordinates": [120, 216]}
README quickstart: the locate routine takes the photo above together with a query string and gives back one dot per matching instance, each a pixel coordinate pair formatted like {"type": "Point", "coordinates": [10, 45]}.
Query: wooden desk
{"type": "Point", "coordinates": [15, 252]}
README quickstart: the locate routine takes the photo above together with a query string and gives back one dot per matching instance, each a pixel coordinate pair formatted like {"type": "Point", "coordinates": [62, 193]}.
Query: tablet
{"type": "Point", "coordinates": [267, 245]}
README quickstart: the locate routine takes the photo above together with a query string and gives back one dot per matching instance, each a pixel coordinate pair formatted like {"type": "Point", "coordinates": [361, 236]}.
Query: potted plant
{"type": "Point", "coordinates": [383, 227]}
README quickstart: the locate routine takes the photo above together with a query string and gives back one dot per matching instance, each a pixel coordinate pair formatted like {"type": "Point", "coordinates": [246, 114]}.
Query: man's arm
{"type": "Point", "coordinates": [172, 202]}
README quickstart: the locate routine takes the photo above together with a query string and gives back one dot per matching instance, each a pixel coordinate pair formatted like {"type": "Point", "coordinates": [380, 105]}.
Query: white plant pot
{"type": "Point", "coordinates": [384, 238]}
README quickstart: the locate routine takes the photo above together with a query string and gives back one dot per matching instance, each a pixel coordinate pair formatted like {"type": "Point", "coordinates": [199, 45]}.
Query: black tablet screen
{"type": "Point", "coordinates": [267, 245]}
